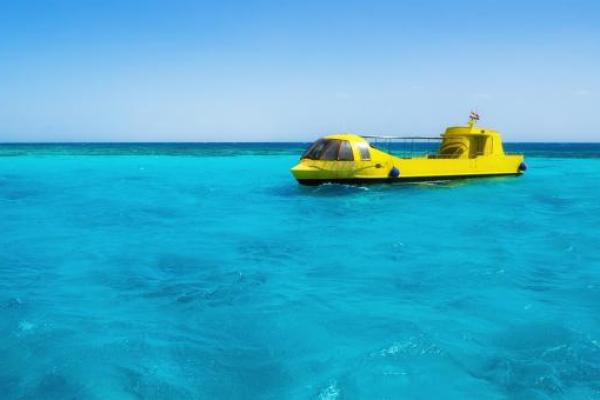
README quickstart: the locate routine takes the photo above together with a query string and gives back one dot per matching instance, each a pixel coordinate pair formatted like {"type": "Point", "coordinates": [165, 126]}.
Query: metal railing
{"type": "Point", "coordinates": [417, 146]}
{"type": "Point", "coordinates": [405, 146]}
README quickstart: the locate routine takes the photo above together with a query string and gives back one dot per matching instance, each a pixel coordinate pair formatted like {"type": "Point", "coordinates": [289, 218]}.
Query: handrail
{"type": "Point", "coordinates": [403, 137]}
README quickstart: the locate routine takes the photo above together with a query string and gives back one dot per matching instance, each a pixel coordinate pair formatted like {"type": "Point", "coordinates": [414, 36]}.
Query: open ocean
{"type": "Point", "coordinates": [204, 271]}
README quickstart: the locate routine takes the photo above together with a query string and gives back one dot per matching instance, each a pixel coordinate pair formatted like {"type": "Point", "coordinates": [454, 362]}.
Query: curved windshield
{"type": "Point", "coordinates": [329, 150]}
{"type": "Point", "coordinates": [314, 150]}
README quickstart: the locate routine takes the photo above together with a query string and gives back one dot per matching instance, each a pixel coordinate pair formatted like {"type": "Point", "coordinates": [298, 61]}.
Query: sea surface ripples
{"type": "Point", "coordinates": [156, 275]}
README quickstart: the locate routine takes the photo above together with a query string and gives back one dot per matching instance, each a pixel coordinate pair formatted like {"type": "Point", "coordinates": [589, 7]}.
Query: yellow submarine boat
{"type": "Point", "coordinates": [464, 152]}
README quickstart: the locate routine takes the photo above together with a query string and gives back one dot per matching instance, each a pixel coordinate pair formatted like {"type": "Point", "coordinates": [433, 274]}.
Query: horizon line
{"type": "Point", "coordinates": [247, 142]}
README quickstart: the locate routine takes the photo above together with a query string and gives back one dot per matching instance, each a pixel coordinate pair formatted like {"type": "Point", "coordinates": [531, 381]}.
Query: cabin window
{"type": "Point", "coordinates": [345, 153]}
{"type": "Point", "coordinates": [363, 149]}
{"type": "Point", "coordinates": [330, 151]}
{"type": "Point", "coordinates": [315, 150]}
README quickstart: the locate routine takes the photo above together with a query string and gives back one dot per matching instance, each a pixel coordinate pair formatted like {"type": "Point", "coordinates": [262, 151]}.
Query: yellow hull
{"type": "Point", "coordinates": [414, 169]}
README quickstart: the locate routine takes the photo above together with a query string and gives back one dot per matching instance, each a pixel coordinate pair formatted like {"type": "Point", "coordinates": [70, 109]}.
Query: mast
{"type": "Point", "coordinates": [473, 116]}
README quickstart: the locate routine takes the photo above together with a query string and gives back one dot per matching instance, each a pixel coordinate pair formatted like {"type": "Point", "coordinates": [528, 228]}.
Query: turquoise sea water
{"type": "Point", "coordinates": [177, 271]}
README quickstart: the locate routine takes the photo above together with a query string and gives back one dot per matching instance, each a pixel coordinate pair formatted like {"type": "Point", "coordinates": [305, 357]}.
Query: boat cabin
{"type": "Point", "coordinates": [469, 142]}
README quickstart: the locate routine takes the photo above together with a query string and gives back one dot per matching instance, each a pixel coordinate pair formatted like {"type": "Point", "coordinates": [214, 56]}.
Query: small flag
{"type": "Point", "coordinates": [474, 116]}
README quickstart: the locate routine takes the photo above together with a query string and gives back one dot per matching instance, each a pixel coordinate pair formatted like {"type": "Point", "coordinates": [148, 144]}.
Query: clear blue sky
{"type": "Point", "coordinates": [288, 70]}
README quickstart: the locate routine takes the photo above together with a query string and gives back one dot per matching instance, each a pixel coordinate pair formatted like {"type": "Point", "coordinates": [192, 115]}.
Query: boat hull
{"type": "Point", "coordinates": [399, 180]}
